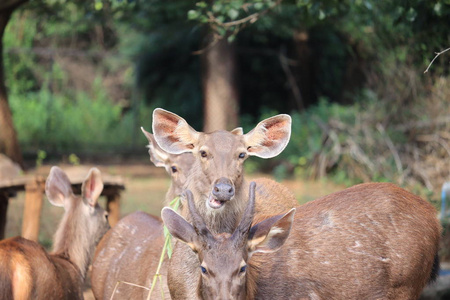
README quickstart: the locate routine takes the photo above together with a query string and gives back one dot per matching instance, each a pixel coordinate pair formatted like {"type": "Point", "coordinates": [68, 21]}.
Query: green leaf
{"type": "Point", "coordinates": [98, 5]}
{"type": "Point", "coordinates": [169, 248]}
{"type": "Point", "coordinates": [201, 4]}
{"type": "Point", "coordinates": [233, 14]}
{"type": "Point", "coordinates": [193, 14]}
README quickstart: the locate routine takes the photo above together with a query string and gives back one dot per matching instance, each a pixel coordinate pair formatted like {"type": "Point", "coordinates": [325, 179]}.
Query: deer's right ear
{"type": "Point", "coordinates": [269, 235]}
{"type": "Point", "coordinates": [157, 155]}
{"type": "Point", "coordinates": [269, 137]}
{"type": "Point", "coordinates": [180, 228]}
{"type": "Point", "coordinates": [92, 187]}
{"type": "Point", "coordinates": [57, 187]}
{"type": "Point", "coordinates": [172, 133]}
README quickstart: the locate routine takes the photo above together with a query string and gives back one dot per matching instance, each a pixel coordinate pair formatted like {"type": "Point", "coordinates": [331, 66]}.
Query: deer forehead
{"type": "Point", "coordinates": [223, 251]}
{"type": "Point", "coordinates": [222, 142]}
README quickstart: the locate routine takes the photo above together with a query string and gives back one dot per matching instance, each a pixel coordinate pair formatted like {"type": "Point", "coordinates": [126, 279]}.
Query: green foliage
{"type": "Point", "coordinates": [95, 125]}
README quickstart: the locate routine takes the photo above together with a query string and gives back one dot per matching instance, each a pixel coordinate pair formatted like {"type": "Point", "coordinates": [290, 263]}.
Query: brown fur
{"type": "Point", "coordinates": [130, 252]}
{"type": "Point", "coordinates": [29, 272]}
{"type": "Point", "coordinates": [116, 258]}
{"type": "Point", "coordinates": [371, 241]}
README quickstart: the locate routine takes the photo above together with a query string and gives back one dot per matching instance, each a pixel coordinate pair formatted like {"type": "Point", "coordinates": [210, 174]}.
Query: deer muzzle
{"type": "Point", "coordinates": [223, 191]}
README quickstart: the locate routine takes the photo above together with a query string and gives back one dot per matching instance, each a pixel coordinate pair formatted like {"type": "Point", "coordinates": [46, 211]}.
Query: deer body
{"type": "Point", "coordinates": [130, 252]}
{"type": "Point", "coordinates": [28, 272]}
{"type": "Point", "coordinates": [371, 241]}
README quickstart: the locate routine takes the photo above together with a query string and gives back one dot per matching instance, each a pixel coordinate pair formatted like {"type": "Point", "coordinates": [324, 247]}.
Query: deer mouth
{"type": "Point", "coordinates": [215, 203]}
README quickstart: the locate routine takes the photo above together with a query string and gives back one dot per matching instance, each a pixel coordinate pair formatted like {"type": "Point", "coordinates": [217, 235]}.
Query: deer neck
{"type": "Point", "coordinates": [71, 241]}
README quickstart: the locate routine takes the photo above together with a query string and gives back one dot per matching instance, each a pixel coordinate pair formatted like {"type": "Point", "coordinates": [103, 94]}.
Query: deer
{"type": "Point", "coordinates": [176, 165]}
{"type": "Point", "coordinates": [27, 271]}
{"type": "Point", "coordinates": [217, 178]}
{"type": "Point", "coordinates": [217, 174]}
{"type": "Point", "coordinates": [369, 241]}
{"type": "Point", "coordinates": [130, 252]}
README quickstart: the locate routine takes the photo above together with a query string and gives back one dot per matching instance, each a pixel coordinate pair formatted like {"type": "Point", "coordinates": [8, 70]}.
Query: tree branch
{"type": "Point", "coordinates": [437, 54]}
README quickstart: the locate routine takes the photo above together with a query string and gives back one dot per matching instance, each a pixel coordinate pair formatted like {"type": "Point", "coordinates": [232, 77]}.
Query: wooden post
{"type": "Point", "coordinates": [113, 207]}
{"type": "Point", "coordinates": [3, 211]}
{"type": "Point", "coordinates": [34, 191]}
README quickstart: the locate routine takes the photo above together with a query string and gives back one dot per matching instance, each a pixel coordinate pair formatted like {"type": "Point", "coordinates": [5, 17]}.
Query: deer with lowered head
{"type": "Point", "coordinates": [130, 251]}
{"type": "Point", "coordinates": [217, 178]}
{"type": "Point", "coordinates": [370, 241]}
{"type": "Point", "coordinates": [27, 271]}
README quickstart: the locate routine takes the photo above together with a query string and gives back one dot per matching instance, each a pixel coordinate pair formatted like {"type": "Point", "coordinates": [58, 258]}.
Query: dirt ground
{"type": "Point", "coordinates": [145, 188]}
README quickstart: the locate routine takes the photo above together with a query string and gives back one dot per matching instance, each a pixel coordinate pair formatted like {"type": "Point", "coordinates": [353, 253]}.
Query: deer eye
{"type": "Point", "coordinates": [203, 153]}
{"type": "Point", "coordinates": [242, 155]}
{"type": "Point", "coordinates": [243, 268]}
{"type": "Point", "coordinates": [174, 169]}
{"type": "Point", "coordinates": [203, 270]}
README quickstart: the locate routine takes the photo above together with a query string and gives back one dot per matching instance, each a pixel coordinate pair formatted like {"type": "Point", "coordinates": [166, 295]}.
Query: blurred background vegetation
{"type": "Point", "coordinates": [83, 76]}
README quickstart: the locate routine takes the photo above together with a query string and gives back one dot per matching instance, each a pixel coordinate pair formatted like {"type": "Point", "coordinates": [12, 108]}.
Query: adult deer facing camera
{"type": "Point", "coordinates": [27, 271]}
{"type": "Point", "coordinates": [370, 241]}
{"type": "Point", "coordinates": [217, 176]}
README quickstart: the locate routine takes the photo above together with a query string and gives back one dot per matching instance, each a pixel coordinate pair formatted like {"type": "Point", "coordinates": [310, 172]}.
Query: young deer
{"type": "Point", "coordinates": [178, 166]}
{"type": "Point", "coordinates": [27, 271]}
{"type": "Point", "coordinates": [370, 241]}
{"type": "Point", "coordinates": [217, 179]}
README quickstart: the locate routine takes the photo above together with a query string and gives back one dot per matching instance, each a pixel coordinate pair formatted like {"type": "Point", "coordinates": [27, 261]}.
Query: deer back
{"type": "Point", "coordinates": [130, 252]}
{"type": "Point", "coordinates": [371, 241]}
{"type": "Point", "coordinates": [29, 272]}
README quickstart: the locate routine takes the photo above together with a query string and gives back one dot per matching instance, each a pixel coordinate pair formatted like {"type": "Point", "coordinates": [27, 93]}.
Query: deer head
{"type": "Point", "coordinates": [217, 174]}
{"type": "Point", "coordinates": [178, 166]}
{"type": "Point", "coordinates": [224, 258]}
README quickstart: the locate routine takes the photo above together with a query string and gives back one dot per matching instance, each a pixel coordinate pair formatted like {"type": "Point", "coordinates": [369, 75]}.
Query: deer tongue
{"type": "Point", "coordinates": [214, 203]}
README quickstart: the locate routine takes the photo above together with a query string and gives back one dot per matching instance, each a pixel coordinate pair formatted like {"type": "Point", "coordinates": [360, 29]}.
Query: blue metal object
{"type": "Point", "coordinates": [445, 189]}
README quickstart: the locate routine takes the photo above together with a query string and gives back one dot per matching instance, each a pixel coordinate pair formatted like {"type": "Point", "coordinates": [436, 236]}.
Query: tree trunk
{"type": "Point", "coordinates": [220, 92]}
{"type": "Point", "coordinates": [9, 144]}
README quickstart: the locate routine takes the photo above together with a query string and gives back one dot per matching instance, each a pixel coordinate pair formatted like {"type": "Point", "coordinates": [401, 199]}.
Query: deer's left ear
{"type": "Point", "coordinates": [58, 188]}
{"type": "Point", "coordinates": [157, 155]}
{"type": "Point", "coordinates": [269, 137]}
{"type": "Point", "coordinates": [269, 235]}
{"type": "Point", "coordinates": [92, 187]}
{"type": "Point", "coordinates": [179, 228]}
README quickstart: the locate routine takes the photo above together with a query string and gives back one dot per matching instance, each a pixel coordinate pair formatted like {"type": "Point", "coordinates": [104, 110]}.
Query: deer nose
{"type": "Point", "coordinates": [223, 189]}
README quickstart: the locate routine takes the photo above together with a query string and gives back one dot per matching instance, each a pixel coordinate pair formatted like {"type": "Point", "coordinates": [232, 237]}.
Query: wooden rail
{"type": "Point", "coordinates": [34, 187]}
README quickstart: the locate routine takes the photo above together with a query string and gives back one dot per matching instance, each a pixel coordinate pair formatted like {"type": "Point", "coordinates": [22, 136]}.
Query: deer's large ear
{"type": "Point", "coordinates": [58, 187]}
{"type": "Point", "coordinates": [157, 155]}
{"type": "Point", "coordinates": [92, 186]}
{"type": "Point", "coordinates": [179, 228]}
{"type": "Point", "coordinates": [269, 137]}
{"type": "Point", "coordinates": [172, 133]}
{"type": "Point", "coordinates": [269, 235]}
